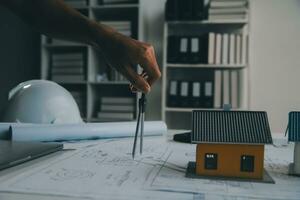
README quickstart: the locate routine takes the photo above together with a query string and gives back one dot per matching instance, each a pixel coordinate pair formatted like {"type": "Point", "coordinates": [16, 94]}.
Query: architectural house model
{"type": "Point", "coordinates": [294, 136]}
{"type": "Point", "coordinates": [230, 143]}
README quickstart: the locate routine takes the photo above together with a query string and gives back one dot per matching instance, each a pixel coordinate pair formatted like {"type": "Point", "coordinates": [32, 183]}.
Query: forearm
{"type": "Point", "coordinates": [56, 19]}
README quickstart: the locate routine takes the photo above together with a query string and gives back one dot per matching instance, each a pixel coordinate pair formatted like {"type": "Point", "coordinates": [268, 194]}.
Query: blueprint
{"type": "Point", "coordinates": [105, 168]}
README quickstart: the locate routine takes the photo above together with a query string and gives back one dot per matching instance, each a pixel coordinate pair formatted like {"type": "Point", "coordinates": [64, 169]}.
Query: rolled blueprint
{"type": "Point", "coordinates": [5, 133]}
{"type": "Point", "coordinates": [83, 131]}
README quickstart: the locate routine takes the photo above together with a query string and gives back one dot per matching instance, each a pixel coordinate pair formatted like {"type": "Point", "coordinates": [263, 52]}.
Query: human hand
{"type": "Point", "coordinates": [124, 54]}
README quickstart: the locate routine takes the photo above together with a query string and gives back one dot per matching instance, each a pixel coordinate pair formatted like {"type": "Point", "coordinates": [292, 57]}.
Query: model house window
{"type": "Point", "coordinates": [247, 163]}
{"type": "Point", "coordinates": [211, 161]}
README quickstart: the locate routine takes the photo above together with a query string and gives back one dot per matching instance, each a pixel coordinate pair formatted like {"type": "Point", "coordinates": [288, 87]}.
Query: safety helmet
{"type": "Point", "coordinates": [41, 101]}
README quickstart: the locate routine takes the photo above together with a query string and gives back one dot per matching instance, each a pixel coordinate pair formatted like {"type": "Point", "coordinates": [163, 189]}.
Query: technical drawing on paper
{"type": "Point", "coordinates": [106, 167]}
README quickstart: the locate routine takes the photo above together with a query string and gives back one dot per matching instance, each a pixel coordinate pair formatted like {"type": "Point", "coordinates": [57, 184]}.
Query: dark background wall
{"type": "Point", "coordinates": [19, 53]}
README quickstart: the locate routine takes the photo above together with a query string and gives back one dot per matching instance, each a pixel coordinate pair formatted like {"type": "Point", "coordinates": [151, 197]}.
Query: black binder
{"type": "Point", "coordinates": [184, 94]}
{"type": "Point", "coordinates": [184, 50]}
{"type": "Point", "coordinates": [196, 94]}
{"type": "Point", "coordinates": [173, 49]}
{"type": "Point", "coordinates": [186, 9]}
{"type": "Point", "coordinates": [171, 10]}
{"type": "Point", "coordinates": [199, 10]}
{"type": "Point", "coordinates": [173, 93]}
{"type": "Point", "coordinates": [198, 49]}
{"type": "Point", "coordinates": [194, 52]}
{"type": "Point", "coordinates": [208, 94]}
{"type": "Point", "coordinates": [203, 48]}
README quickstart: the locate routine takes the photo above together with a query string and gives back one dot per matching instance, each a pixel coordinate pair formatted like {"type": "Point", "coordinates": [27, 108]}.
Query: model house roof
{"type": "Point", "coordinates": [294, 126]}
{"type": "Point", "coordinates": [241, 127]}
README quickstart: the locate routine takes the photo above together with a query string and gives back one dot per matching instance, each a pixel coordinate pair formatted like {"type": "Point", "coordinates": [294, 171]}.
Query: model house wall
{"type": "Point", "coordinates": [231, 160]}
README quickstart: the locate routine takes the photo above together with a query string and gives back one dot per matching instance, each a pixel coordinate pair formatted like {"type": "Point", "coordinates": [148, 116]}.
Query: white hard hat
{"type": "Point", "coordinates": [41, 101]}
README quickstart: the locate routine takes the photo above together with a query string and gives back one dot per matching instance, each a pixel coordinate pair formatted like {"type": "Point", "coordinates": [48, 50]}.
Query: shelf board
{"type": "Point", "coordinates": [209, 22]}
{"type": "Point", "coordinates": [117, 6]}
{"type": "Point", "coordinates": [214, 66]}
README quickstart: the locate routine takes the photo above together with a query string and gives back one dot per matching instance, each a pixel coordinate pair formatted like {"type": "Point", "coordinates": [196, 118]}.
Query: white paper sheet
{"type": "Point", "coordinates": [60, 132]}
{"type": "Point", "coordinates": [105, 169]}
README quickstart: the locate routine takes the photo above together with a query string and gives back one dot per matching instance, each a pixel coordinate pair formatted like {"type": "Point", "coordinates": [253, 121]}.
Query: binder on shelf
{"type": "Point", "coordinates": [244, 49]}
{"type": "Point", "coordinates": [173, 100]}
{"type": "Point", "coordinates": [225, 48]}
{"type": "Point", "coordinates": [171, 9]}
{"type": "Point", "coordinates": [238, 49]}
{"type": "Point", "coordinates": [218, 50]}
{"type": "Point", "coordinates": [208, 98]}
{"type": "Point", "coordinates": [184, 50]}
{"type": "Point", "coordinates": [198, 51]}
{"type": "Point", "coordinates": [232, 49]}
{"type": "Point", "coordinates": [194, 56]}
{"type": "Point", "coordinates": [186, 9]}
{"type": "Point", "coordinates": [226, 87]}
{"type": "Point", "coordinates": [218, 89]}
{"type": "Point", "coordinates": [203, 48]}
{"type": "Point", "coordinates": [184, 94]}
{"type": "Point", "coordinates": [173, 48]}
{"type": "Point", "coordinates": [211, 48]}
{"type": "Point", "coordinates": [199, 10]}
{"type": "Point", "coordinates": [196, 98]}
{"type": "Point", "coordinates": [234, 89]}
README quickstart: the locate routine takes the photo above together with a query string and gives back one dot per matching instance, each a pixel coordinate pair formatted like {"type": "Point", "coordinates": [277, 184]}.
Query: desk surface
{"type": "Point", "coordinates": [104, 169]}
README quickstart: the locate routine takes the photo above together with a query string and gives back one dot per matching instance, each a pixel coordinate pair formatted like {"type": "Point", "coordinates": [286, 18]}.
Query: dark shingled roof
{"type": "Point", "coordinates": [294, 126]}
{"type": "Point", "coordinates": [240, 127]}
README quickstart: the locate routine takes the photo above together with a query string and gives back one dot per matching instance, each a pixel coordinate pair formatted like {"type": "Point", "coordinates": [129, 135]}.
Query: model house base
{"type": "Point", "coordinates": [191, 173]}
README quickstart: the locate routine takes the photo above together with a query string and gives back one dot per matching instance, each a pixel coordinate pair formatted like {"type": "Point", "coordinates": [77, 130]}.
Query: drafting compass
{"type": "Point", "coordinates": [140, 124]}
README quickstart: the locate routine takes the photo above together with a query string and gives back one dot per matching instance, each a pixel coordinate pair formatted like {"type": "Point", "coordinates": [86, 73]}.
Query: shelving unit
{"type": "Point", "coordinates": [91, 88]}
{"type": "Point", "coordinates": [180, 117]}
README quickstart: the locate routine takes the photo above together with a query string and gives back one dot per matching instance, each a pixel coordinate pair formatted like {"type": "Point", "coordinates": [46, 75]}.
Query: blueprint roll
{"type": "Point", "coordinates": [83, 131]}
{"type": "Point", "coordinates": [5, 133]}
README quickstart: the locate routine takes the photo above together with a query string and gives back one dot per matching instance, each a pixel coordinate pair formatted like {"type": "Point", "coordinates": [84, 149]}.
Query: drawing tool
{"type": "Point", "coordinates": [140, 122]}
